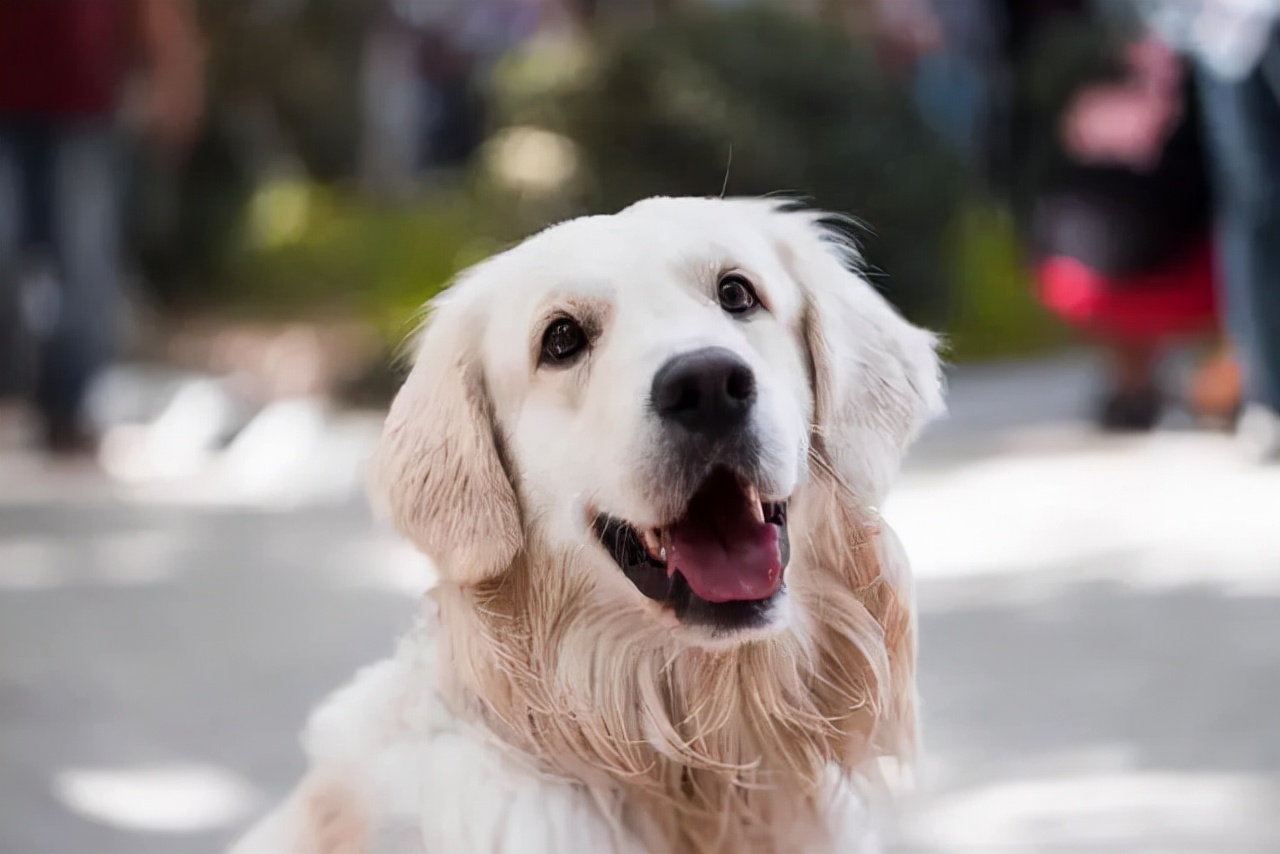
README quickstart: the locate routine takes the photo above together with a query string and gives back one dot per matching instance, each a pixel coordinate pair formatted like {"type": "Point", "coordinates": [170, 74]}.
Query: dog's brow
{"type": "Point", "coordinates": [591, 312]}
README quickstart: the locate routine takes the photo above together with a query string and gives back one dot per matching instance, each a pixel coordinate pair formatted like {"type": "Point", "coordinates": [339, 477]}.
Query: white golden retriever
{"type": "Point", "coordinates": [645, 453]}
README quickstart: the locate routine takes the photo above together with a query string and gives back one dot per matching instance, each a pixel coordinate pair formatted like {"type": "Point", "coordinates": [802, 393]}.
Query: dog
{"type": "Point", "coordinates": [644, 452]}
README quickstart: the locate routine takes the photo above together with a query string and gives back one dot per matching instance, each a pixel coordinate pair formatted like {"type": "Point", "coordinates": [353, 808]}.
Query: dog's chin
{"type": "Point", "coordinates": [718, 568]}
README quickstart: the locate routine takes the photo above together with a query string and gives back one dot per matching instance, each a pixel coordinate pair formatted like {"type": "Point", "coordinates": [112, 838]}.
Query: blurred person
{"type": "Point", "coordinates": [1235, 45]}
{"type": "Point", "coordinates": [952, 85]}
{"type": "Point", "coordinates": [946, 48]}
{"type": "Point", "coordinates": [64, 66]}
{"type": "Point", "coordinates": [426, 63]}
{"type": "Point", "coordinates": [1108, 188]}
{"type": "Point", "coordinates": [460, 58]}
{"type": "Point", "coordinates": [1121, 233]}
{"type": "Point", "coordinates": [454, 114]}
{"type": "Point", "coordinates": [392, 100]}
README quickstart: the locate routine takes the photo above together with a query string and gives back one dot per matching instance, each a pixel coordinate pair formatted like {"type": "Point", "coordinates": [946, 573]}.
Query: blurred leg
{"type": "Point", "coordinates": [26, 180]}
{"type": "Point", "coordinates": [87, 248]}
{"type": "Point", "coordinates": [1133, 364]}
{"type": "Point", "coordinates": [11, 369]}
{"type": "Point", "coordinates": [1215, 393]}
{"type": "Point", "coordinates": [1243, 127]}
{"type": "Point", "coordinates": [1134, 400]}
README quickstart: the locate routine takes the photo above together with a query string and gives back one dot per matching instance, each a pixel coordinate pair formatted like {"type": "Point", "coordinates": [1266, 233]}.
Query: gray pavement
{"type": "Point", "coordinates": [1100, 631]}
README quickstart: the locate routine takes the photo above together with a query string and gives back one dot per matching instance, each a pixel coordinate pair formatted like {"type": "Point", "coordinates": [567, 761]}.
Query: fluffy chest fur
{"type": "Point", "coordinates": [482, 736]}
{"type": "Point", "coordinates": [395, 771]}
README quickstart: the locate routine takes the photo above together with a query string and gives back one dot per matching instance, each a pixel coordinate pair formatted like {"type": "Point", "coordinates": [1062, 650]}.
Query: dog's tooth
{"type": "Point", "coordinates": [664, 550]}
{"type": "Point", "coordinates": [653, 544]}
{"type": "Point", "coordinates": [775, 512]}
{"type": "Point", "coordinates": [752, 495]}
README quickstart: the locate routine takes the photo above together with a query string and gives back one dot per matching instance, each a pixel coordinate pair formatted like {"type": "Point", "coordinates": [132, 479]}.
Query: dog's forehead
{"type": "Point", "coordinates": [637, 254]}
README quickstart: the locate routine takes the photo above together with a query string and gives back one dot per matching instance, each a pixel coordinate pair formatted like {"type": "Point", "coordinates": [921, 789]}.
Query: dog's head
{"type": "Point", "coordinates": [650, 393]}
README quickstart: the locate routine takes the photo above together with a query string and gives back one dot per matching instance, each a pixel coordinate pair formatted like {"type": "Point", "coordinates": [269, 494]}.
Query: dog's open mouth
{"type": "Point", "coordinates": [724, 556]}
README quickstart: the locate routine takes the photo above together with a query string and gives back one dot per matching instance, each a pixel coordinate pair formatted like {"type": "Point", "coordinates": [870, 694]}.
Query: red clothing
{"type": "Point", "coordinates": [63, 58]}
{"type": "Point", "coordinates": [1178, 300]}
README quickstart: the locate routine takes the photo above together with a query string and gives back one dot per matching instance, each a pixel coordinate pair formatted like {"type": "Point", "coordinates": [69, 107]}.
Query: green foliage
{"type": "Point", "coordinates": [321, 250]}
{"type": "Point", "coordinates": [800, 108]}
{"type": "Point", "coordinates": [995, 311]}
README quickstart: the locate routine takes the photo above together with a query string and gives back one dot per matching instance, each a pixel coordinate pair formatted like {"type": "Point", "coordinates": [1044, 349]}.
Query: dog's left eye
{"type": "Point", "coordinates": [736, 294]}
{"type": "Point", "coordinates": [563, 341]}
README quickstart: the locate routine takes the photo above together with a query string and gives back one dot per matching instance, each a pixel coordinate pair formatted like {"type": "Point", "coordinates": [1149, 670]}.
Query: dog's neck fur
{"type": "Point", "coordinates": [728, 751]}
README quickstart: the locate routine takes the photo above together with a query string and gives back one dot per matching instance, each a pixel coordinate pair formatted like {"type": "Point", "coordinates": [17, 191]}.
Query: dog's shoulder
{"type": "Point", "coordinates": [394, 771]}
{"type": "Point", "coordinates": [388, 704]}
{"type": "Point", "coordinates": [412, 769]}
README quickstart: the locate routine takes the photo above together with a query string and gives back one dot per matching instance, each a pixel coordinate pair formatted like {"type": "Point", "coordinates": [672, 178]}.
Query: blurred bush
{"type": "Point", "coordinates": [753, 101]}
{"type": "Point", "coordinates": [185, 223]}
{"type": "Point", "coordinates": [316, 250]}
{"type": "Point", "coordinates": [995, 312]}
{"type": "Point", "coordinates": [282, 87]}
{"type": "Point", "coordinates": [294, 67]}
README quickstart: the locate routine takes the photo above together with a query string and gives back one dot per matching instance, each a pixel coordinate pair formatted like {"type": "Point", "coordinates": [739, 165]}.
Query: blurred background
{"type": "Point", "coordinates": [219, 220]}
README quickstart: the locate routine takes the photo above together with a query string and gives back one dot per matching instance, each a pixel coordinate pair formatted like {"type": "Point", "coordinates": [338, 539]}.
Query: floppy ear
{"type": "Point", "coordinates": [876, 381]}
{"type": "Point", "coordinates": [876, 377]}
{"type": "Point", "coordinates": [438, 468]}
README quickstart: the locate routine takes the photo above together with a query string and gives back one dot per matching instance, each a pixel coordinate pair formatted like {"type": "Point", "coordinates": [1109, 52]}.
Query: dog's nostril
{"type": "Point", "coordinates": [686, 396]}
{"type": "Point", "coordinates": [707, 391]}
{"type": "Point", "coordinates": [741, 384]}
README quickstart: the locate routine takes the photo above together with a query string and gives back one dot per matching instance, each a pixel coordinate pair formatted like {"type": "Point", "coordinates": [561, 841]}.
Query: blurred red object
{"type": "Point", "coordinates": [63, 58]}
{"type": "Point", "coordinates": [1180, 299]}
{"type": "Point", "coordinates": [64, 61]}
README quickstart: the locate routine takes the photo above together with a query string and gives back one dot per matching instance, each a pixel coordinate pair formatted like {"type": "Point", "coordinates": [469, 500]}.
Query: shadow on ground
{"type": "Point", "coordinates": [1100, 717]}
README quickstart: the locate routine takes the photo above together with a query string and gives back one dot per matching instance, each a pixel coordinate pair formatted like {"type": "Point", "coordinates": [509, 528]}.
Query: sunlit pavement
{"type": "Point", "coordinates": [1100, 623]}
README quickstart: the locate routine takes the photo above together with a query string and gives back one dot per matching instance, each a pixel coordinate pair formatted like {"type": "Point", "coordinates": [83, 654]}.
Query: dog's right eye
{"type": "Point", "coordinates": [563, 342]}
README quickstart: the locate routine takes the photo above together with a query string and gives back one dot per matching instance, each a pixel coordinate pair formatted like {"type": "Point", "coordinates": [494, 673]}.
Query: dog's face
{"type": "Point", "coordinates": [645, 394]}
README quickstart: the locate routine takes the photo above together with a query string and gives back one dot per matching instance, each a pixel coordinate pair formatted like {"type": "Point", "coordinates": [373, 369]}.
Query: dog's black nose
{"type": "Point", "coordinates": [707, 391]}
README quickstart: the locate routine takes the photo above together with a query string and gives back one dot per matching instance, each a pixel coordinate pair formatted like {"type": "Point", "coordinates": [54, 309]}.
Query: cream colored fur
{"type": "Point", "coordinates": [544, 705]}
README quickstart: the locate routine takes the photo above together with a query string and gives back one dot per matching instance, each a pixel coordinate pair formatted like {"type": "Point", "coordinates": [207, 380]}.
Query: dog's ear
{"type": "Point", "coordinates": [439, 468]}
{"type": "Point", "coordinates": [876, 378]}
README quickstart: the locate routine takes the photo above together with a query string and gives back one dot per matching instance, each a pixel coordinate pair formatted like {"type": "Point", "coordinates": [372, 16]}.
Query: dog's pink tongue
{"type": "Point", "coordinates": [726, 559]}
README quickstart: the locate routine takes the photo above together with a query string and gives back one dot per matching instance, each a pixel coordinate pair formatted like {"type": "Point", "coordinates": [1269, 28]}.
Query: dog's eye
{"type": "Point", "coordinates": [563, 341]}
{"type": "Point", "coordinates": [736, 294]}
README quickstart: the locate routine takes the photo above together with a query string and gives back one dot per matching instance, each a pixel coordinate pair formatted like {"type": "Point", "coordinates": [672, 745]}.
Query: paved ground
{"type": "Point", "coordinates": [1100, 628]}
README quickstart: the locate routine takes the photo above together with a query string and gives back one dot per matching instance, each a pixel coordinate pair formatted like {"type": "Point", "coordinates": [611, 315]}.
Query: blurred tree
{"type": "Point", "coordinates": [800, 108]}
{"type": "Point", "coordinates": [298, 62]}
{"type": "Point", "coordinates": [282, 84]}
